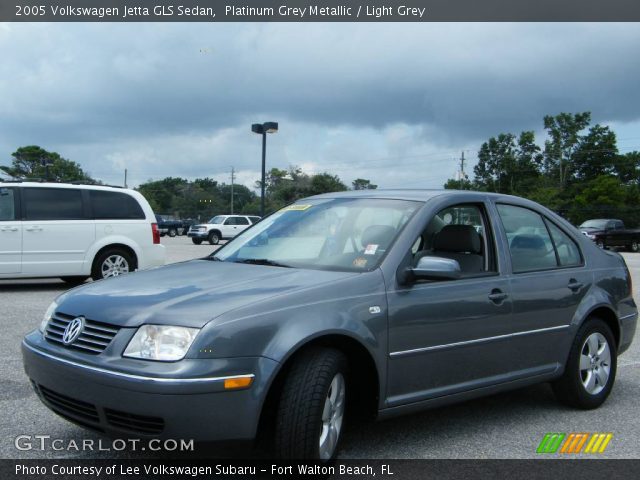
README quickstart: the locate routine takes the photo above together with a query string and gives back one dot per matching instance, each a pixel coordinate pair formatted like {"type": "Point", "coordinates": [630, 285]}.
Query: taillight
{"type": "Point", "coordinates": [156, 233]}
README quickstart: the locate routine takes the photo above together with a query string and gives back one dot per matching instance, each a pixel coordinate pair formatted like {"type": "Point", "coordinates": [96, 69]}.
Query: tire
{"type": "Point", "coordinates": [172, 232]}
{"type": "Point", "coordinates": [590, 372]}
{"type": "Point", "coordinates": [73, 281]}
{"type": "Point", "coordinates": [310, 413]}
{"type": "Point", "coordinates": [112, 263]}
{"type": "Point", "coordinates": [600, 244]}
{"type": "Point", "coordinates": [196, 241]}
{"type": "Point", "coordinates": [214, 238]}
{"type": "Point", "coordinates": [634, 247]}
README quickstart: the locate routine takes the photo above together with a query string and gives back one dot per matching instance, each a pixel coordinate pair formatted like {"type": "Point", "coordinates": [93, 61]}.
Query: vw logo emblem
{"type": "Point", "coordinates": [73, 330]}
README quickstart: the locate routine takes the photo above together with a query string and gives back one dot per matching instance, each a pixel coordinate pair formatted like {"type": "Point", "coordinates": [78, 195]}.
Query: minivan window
{"type": "Point", "coordinates": [114, 205]}
{"type": "Point", "coordinates": [7, 204]}
{"type": "Point", "coordinates": [52, 204]}
{"type": "Point", "coordinates": [529, 241]}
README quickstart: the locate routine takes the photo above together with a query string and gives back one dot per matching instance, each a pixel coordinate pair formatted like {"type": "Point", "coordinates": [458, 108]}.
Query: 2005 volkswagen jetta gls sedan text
{"type": "Point", "coordinates": [377, 302]}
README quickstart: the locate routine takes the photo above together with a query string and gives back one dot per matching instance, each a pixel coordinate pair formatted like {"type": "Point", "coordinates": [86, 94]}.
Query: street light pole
{"type": "Point", "coordinates": [263, 129]}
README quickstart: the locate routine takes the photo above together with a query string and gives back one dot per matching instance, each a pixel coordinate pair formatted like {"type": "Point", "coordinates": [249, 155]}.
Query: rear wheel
{"type": "Point", "coordinates": [591, 368]}
{"type": "Point", "coordinates": [112, 263]}
{"type": "Point", "coordinates": [214, 238]}
{"type": "Point", "coordinates": [310, 414]}
{"type": "Point", "coordinates": [197, 241]}
{"type": "Point", "coordinates": [172, 232]}
{"type": "Point", "coordinates": [634, 246]}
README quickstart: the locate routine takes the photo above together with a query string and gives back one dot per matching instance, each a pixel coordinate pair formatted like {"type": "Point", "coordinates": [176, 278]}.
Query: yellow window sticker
{"type": "Point", "coordinates": [297, 208]}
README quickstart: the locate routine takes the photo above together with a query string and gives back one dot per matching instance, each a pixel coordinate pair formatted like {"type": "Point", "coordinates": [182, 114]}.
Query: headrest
{"type": "Point", "coordinates": [458, 238]}
{"type": "Point", "coordinates": [528, 241]}
{"type": "Point", "coordinates": [378, 235]}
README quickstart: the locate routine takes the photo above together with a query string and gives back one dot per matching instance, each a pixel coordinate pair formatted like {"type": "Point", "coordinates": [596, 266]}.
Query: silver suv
{"type": "Point", "coordinates": [221, 227]}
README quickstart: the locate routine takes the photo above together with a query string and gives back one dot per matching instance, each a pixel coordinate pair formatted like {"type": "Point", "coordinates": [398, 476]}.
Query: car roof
{"type": "Point", "coordinates": [21, 183]}
{"type": "Point", "coordinates": [421, 195]}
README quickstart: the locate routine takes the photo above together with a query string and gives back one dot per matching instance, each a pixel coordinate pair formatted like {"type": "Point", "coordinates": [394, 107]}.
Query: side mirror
{"type": "Point", "coordinates": [436, 268]}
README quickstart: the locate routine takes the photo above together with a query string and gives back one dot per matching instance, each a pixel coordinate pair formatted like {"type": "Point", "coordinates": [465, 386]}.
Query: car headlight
{"type": "Point", "coordinates": [160, 342]}
{"type": "Point", "coordinates": [592, 237]}
{"type": "Point", "coordinates": [47, 316]}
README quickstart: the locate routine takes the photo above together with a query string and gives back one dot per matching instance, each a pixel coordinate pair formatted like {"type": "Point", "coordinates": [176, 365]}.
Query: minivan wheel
{"type": "Point", "coordinates": [310, 414]}
{"type": "Point", "coordinates": [172, 232]}
{"type": "Point", "coordinates": [591, 368]}
{"type": "Point", "coordinates": [112, 263]}
{"type": "Point", "coordinates": [196, 241]}
{"type": "Point", "coordinates": [214, 238]}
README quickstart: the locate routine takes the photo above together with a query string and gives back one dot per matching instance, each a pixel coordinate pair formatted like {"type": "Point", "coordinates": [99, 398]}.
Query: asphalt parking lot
{"type": "Point", "coordinates": [508, 425]}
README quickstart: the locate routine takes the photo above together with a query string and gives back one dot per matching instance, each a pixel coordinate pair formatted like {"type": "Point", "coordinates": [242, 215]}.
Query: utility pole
{"type": "Point", "coordinates": [462, 175]}
{"type": "Point", "coordinates": [125, 178]}
{"type": "Point", "coordinates": [233, 178]}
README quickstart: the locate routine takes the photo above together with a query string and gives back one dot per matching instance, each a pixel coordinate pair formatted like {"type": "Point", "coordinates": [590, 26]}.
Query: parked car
{"type": "Point", "coordinates": [75, 231]}
{"type": "Point", "coordinates": [344, 304]}
{"type": "Point", "coordinates": [610, 232]}
{"type": "Point", "coordinates": [169, 226]}
{"type": "Point", "coordinates": [221, 227]}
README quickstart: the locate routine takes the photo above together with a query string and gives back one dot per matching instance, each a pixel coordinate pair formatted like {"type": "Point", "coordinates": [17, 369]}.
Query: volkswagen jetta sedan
{"type": "Point", "coordinates": [377, 302]}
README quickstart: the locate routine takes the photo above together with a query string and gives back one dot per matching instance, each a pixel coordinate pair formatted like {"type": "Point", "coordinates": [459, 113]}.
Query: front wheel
{"type": "Point", "coordinates": [214, 238]}
{"type": "Point", "coordinates": [196, 241]}
{"type": "Point", "coordinates": [112, 263]}
{"type": "Point", "coordinates": [634, 246]}
{"type": "Point", "coordinates": [311, 411]}
{"type": "Point", "coordinates": [172, 232]}
{"type": "Point", "coordinates": [591, 368]}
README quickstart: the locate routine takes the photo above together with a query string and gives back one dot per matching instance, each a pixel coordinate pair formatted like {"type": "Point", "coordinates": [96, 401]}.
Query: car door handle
{"type": "Point", "coordinates": [33, 229]}
{"type": "Point", "coordinates": [497, 296]}
{"type": "Point", "coordinates": [575, 285]}
{"type": "Point", "coordinates": [9, 229]}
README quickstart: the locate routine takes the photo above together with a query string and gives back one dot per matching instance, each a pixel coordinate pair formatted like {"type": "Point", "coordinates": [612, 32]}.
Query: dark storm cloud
{"type": "Point", "coordinates": [119, 85]}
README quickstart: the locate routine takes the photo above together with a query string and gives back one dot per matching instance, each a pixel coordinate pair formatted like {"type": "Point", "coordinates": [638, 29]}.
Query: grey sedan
{"type": "Point", "coordinates": [372, 304]}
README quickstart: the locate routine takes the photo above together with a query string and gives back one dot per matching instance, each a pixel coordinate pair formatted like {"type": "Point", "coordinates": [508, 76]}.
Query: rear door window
{"type": "Point", "coordinates": [529, 241]}
{"type": "Point", "coordinates": [52, 204]}
{"type": "Point", "coordinates": [7, 204]}
{"type": "Point", "coordinates": [114, 205]}
{"type": "Point", "coordinates": [242, 221]}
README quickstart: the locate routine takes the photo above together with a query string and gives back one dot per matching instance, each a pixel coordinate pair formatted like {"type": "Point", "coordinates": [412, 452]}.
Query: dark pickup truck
{"type": "Point", "coordinates": [170, 226]}
{"type": "Point", "coordinates": [610, 232]}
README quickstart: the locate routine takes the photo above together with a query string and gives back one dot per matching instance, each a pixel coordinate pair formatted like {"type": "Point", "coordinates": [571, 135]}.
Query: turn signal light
{"type": "Point", "coordinates": [237, 382]}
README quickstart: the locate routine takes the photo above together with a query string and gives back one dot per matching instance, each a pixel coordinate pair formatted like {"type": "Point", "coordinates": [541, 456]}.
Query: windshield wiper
{"type": "Point", "coordinates": [262, 261]}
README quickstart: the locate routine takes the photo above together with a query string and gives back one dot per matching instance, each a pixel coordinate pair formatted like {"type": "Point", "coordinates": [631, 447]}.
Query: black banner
{"type": "Point", "coordinates": [544, 469]}
{"type": "Point", "coordinates": [319, 11]}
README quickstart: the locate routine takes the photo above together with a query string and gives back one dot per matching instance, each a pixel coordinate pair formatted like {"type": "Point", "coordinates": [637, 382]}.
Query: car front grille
{"type": "Point", "coordinates": [95, 417]}
{"type": "Point", "coordinates": [135, 423]}
{"type": "Point", "coordinates": [69, 407]}
{"type": "Point", "coordinates": [95, 337]}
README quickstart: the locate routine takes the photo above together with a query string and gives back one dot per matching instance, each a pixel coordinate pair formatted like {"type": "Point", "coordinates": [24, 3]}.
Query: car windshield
{"type": "Point", "coordinates": [594, 224]}
{"type": "Point", "coordinates": [217, 220]}
{"type": "Point", "coordinates": [342, 234]}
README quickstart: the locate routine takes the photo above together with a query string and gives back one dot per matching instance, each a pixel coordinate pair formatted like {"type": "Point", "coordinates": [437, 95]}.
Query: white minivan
{"type": "Point", "coordinates": [75, 231]}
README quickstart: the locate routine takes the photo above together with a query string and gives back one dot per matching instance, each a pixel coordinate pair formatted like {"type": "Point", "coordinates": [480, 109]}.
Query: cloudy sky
{"type": "Point", "coordinates": [395, 103]}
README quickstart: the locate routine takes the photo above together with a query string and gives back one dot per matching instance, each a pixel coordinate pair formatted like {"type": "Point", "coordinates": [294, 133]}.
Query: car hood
{"type": "Point", "coordinates": [189, 294]}
{"type": "Point", "coordinates": [590, 230]}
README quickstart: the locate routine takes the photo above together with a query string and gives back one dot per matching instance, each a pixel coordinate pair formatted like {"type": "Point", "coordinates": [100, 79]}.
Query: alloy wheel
{"type": "Point", "coordinates": [332, 417]}
{"type": "Point", "coordinates": [595, 363]}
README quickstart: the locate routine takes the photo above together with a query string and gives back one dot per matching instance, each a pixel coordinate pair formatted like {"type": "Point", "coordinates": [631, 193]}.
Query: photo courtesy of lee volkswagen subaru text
{"type": "Point", "coordinates": [342, 304]}
{"type": "Point", "coordinates": [75, 231]}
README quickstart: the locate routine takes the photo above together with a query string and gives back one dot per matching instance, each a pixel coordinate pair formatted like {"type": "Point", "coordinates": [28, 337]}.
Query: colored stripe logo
{"type": "Point", "coordinates": [574, 443]}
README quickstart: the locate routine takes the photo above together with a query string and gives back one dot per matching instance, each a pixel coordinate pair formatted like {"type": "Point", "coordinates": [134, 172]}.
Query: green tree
{"type": "Point", "coordinates": [36, 162]}
{"type": "Point", "coordinates": [363, 184]}
{"type": "Point", "coordinates": [564, 139]}
{"type": "Point", "coordinates": [596, 154]}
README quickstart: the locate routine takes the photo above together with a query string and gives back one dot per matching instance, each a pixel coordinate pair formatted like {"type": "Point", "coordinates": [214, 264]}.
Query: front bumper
{"type": "Point", "coordinates": [202, 235]}
{"type": "Point", "coordinates": [136, 402]}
